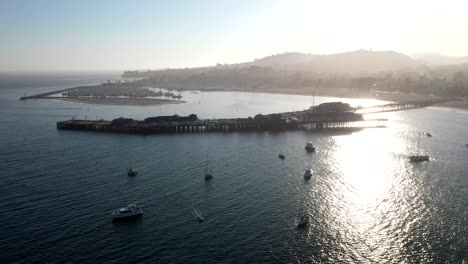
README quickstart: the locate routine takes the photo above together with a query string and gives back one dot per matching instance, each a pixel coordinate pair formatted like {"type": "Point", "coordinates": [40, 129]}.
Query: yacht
{"type": "Point", "coordinates": [309, 147]}
{"type": "Point", "coordinates": [417, 157]}
{"type": "Point", "coordinates": [281, 156]}
{"type": "Point", "coordinates": [307, 174]}
{"type": "Point", "coordinates": [131, 211]}
{"type": "Point", "coordinates": [131, 172]}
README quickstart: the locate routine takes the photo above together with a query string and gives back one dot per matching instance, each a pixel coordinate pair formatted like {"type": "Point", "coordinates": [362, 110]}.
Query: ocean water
{"type": "Point", "coordinates": [367, 203]}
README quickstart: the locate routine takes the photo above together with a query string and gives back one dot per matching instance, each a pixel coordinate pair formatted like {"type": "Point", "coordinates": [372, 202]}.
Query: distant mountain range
{"type": "Point", "coordinates": [361, 69]}
{"type": "Point", "coordinates": [359, 62]}
{"type": "Point", "coordinates": [355, 62]}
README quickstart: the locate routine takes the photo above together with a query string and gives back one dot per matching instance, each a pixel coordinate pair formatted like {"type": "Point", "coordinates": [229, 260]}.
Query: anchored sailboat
{"type": "Point", "coordinates": [131, 171]}
{"type": "Point", "coordinates": [417, 157]}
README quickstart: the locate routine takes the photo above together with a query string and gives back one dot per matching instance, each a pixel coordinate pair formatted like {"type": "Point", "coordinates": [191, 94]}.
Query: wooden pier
{"type": "Point", "coordinates": [325, 116]}
{"type": "Point", "coordinates": [307, 119]}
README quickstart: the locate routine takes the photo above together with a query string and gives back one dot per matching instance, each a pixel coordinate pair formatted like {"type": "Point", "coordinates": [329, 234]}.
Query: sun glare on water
{"type": "Point", "coordinates": [367, 169]}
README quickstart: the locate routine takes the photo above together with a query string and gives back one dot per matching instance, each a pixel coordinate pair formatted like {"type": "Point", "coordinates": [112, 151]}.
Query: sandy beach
{"type": "Point", "coordinates": [119, 101]}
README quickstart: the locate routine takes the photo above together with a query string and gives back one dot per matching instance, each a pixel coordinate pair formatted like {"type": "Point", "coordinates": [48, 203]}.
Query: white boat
{"type": "Point", "coordinates": [308, 174]}
{"type": "Point", "coordinates": [417, 157]}
{"type": "Point", "coordinates": [130, 211]}
{"type": "Point", "coordinates": [309, 147]}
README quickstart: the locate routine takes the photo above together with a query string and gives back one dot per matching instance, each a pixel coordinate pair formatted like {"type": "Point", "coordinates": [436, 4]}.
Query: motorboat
{"type": "Point", "coordinates": [128, 212]}
{"type": "Point", "coordinates": [307, 174]}
{"type": "Point", "coordinates": [309, 147]}
{"type": "Point", "coordinates": [281, 156]}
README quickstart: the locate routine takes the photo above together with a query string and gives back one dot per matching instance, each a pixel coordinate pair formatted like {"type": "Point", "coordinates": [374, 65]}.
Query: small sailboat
{"type": "Point", "coordinates": [417, 157]}
{"type": "Point", "coordinates": [131, 171]}
{"type": "Point", "coordinates": [308, 174]}
{"type": "Point", "coordinates": [281, 156]}
{"type": "Point", "coordinates": [309, 147]}
{"type": "Point", "coordinates": [303, 218]}
{"type": "Point", "coordinates": [209, 173]}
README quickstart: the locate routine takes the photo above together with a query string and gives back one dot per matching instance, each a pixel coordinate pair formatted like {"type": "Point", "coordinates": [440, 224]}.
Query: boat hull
{"type": "Point", "coordinates": [303, 222]}
{"type": "Point", "coordinates": [312, 149]}
{"type": "Point", "coordinates": [123, 217]}
{"type": "Point", "coordinates": [418, 158]}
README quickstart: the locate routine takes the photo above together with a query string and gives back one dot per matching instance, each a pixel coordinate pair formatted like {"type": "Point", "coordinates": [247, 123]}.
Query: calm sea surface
{"type": "Point", "coordinates": [367, 203]}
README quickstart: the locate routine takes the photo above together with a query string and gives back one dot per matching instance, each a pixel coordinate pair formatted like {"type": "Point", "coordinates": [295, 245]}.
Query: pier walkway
{"type": "Point", "coordinates": [398, 106]}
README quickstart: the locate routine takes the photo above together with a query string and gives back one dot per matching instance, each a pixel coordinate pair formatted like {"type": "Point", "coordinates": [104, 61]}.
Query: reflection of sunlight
{"type": "Point", "coordinates": [366, 165]}
{"type": "Point", "coordinates": [365, 160]}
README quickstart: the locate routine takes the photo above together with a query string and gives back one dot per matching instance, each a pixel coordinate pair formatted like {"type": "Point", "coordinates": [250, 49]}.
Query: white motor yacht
{"type": "Point", "coordinates": [130, 211]}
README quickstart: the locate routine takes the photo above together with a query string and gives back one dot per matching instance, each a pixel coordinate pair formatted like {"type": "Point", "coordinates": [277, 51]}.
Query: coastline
{"type": "Point", "coordinates": [460, 104]}
{"type": "Point", "coordinates": [455, 104]}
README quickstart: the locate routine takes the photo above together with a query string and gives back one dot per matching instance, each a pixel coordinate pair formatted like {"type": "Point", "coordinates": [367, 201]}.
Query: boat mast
{"type": "Point", "coordinates": [300, 210]}
{"type": "Point", "coordinates": [419, 138]}
{"type": "Point", "coordinates": [313, 99]}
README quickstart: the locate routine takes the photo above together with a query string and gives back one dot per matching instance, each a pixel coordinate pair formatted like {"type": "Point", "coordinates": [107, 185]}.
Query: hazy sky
{"type": "Point", "coordinates": [50, 35]}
